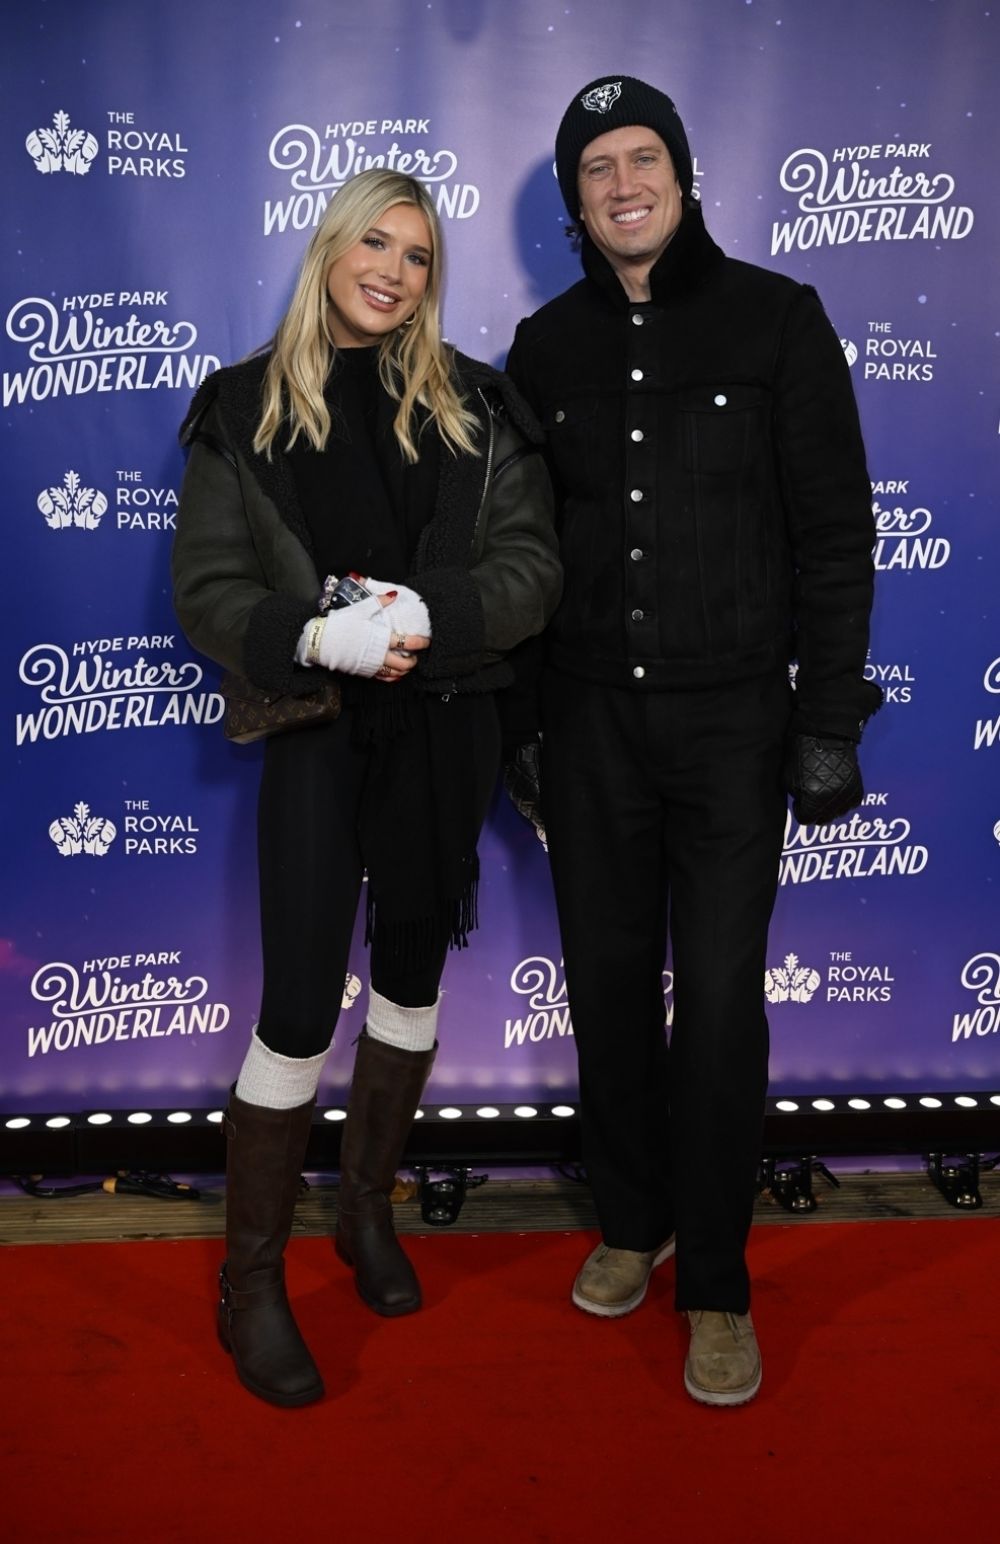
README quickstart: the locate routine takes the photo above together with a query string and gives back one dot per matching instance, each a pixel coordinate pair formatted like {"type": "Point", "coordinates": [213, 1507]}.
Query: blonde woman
{"type": "Point", "coordinates": [357, 443]}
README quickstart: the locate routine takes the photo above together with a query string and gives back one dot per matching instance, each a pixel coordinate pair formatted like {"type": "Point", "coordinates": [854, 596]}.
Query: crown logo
{"type": "Point", "coordinates": [82, 832]}
{"type": "Point", "coordinates": [61, 149]}
{"type": "Point", "coordinates": [72, 504]}
{"type": "Point", "coordinates": [790, 982]}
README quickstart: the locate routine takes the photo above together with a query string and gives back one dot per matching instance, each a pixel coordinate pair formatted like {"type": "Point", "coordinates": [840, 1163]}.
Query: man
{"type": "Point", "coordinates": [715, 519]}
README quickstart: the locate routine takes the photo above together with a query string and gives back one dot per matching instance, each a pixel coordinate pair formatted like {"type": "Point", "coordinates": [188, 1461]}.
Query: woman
{"type": "Point", "coordinates": [357, 442]}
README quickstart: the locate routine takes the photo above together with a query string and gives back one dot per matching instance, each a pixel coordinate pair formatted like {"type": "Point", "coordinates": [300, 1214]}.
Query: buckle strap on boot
{"type": "Point", "coordinates": [268, 1292]}
{"type": "Point", "coordinates": [265, 1150]}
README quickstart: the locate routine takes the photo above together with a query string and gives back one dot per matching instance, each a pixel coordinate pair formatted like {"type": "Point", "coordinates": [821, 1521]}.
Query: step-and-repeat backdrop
{"type": "Point", "coordinates": [163, 167]}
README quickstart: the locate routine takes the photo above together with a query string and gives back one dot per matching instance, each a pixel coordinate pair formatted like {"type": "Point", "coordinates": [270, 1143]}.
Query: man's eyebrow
{"type": "Point", "coordinates": [635, 150]}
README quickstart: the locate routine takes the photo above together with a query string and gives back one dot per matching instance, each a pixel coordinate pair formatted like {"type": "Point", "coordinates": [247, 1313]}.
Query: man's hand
{"type": "Point", "coordinates": [823, 777]}
{"type": "Point", "coordinates": [522, 780]}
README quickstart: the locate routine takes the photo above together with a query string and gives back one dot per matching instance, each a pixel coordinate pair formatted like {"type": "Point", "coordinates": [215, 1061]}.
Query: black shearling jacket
{"type": "Point", "coordinates": [245, 582]}
{"type": "Point", "coordinates": [713, 501]}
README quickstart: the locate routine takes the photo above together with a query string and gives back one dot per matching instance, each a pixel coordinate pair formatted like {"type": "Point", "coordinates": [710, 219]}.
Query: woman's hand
{"type": "Point", "coordinates": [365, 639]}
{"type": "Point", "coordinates": [410, 614]}
{"type": "Point", "coordinates": [354, 640]}
{"type": "Point", "coordinates": [404, 647]}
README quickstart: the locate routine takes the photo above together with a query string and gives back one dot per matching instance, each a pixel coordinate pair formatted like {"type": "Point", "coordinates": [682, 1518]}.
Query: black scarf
{"type": "Point", "coordinates": [366, 507]}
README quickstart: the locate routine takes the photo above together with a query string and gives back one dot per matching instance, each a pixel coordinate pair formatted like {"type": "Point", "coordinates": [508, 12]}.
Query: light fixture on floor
{"type": "Point", "coordinates": [952, 1131]}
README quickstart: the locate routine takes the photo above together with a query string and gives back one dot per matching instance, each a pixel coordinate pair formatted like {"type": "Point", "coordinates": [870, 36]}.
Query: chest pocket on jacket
{"type": "Point", "coordinates": [569, 428]}
{"type": "Point", "coordinates": [721, 427]}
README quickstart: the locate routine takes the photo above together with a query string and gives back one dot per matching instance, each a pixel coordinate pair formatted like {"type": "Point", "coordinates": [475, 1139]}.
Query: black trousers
{"type": "Point", "coordinates": [311, 871]}
{"type": "Point", "coordinates": [665, 811]}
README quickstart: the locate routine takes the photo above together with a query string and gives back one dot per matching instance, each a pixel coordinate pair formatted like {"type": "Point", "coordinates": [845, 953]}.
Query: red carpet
{"type": "Point", "coordinates": [501, 1413]}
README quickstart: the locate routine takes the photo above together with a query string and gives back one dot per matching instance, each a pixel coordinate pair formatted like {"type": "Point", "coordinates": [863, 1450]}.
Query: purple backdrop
{"type": "Point", "coordinates": [163, 168]}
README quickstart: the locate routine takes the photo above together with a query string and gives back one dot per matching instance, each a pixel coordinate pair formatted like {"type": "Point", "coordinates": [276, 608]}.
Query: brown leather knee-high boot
{"type": "Point", "coordinates": [265, 1151]}
{"type": "Point", "coordinates": [385, 1093]}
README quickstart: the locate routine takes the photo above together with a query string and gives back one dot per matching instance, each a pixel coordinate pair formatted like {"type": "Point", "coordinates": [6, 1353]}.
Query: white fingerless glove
{"type": "Point", "coordinates": [354, 640]}
{"type": "Point", "coordinates": [408, 613]}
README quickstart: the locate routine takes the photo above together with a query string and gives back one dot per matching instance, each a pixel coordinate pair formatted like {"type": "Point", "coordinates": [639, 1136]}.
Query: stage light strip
{"type": "Point", "coordinates": [785, 1105]}
{"type": "Point", "coordinates": [873, 1102]}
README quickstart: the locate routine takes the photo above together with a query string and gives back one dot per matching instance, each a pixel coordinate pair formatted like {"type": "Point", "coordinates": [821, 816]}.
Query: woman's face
{"type": "Point", "coordinates": [377, 285]}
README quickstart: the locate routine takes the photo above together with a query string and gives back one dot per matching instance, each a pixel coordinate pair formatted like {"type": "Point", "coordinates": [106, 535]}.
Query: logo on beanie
{"type": "Point", "coordinates": [600, 99]}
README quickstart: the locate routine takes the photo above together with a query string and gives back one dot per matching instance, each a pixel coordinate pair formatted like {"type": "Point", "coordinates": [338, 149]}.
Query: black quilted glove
{"type": "Point", "coordinates": [823, 778]}
{"type": "Point", "coordinates": [522, 780]}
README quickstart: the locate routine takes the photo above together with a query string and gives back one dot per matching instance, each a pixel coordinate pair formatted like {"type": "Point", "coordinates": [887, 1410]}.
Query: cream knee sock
{"type": "Point", "coordinates": [277, 1082]}
{"type": "Point", "coordinates": [409, 1029]}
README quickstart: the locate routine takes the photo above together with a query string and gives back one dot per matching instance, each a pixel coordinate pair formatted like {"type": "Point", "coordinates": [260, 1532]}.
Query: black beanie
{"type": "Point", "coordinates": [617, 102]}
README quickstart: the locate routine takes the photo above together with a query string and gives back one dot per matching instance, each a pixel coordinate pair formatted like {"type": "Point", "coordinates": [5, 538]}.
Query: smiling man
{"type": "Point", "coordinates": [715, 522]}
{"type": "Point", "coordinates": [631, 202]}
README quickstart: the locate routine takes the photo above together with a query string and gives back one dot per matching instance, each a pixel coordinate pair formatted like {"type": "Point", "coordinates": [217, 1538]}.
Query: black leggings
{"type": "Point", "coordinates": [311, 874]}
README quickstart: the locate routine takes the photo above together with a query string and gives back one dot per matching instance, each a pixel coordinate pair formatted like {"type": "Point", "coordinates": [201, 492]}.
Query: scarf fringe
{"type": "Point", "coordinates": [405, 943]}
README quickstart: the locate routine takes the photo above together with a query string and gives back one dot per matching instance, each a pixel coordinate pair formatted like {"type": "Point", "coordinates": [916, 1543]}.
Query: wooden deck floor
{"type": "Point", "coordinates": [499, 1206]}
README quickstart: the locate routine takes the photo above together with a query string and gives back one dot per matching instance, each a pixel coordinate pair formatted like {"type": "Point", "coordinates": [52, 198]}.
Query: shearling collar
{"type": "Point", "coordinates": [681, 267]}
{"type": "Point", "coordinates": [238, 388]}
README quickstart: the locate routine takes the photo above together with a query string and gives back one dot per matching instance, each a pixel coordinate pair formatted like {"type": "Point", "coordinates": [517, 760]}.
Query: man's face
{"type": "Point", "coordinates": [630, 199]}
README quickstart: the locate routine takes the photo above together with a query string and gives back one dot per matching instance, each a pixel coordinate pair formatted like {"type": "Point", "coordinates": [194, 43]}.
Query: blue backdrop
{"type": "Point", "coordinates": [164, 166]}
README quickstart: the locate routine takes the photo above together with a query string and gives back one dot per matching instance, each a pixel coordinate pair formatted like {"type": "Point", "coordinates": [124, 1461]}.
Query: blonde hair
{"type": "Point", "coordinates": [413, 360]}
